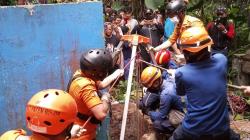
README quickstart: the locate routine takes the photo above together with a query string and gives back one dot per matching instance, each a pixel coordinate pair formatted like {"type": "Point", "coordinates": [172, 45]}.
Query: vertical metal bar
{"type": "Point", "coordinates": [128, 92]}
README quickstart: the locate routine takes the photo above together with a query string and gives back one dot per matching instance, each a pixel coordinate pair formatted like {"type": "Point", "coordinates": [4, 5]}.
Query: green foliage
{"type": "Point", "coordinates": [7, 2]}
{"type": "Point", "coordinates": [154, 4]}
{"type": "Point", "coordinates": [117, 5]}
{"type": "Point", "coordinates": [120, 91]}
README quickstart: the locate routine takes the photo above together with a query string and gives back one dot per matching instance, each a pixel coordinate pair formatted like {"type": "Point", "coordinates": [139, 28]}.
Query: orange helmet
{"type": "Point", "coordinates": [149, 75]}
{"type": "Point", "coordinates": [162, 57]}
{"type": "Point", "coordinates": [195, 39]}
{"type": "Point", "coordinates": [50, 112]}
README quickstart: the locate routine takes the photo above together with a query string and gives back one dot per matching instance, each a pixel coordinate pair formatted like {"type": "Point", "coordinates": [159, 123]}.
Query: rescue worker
{"type": "Point", "coordinates": [163, 59]}
{"type": "Point", "coordinates": [94, 67]}
{"type": "Point", "coordinates": [161, 95]}
{"type": "Point", "coordinates": [203, 81]}
{"type": "Point", "coordinates": [221, 31]}
{"type": "Point", "coordinates": [183, 22]}
{"type": "Point", "coordinates": [49, 115]}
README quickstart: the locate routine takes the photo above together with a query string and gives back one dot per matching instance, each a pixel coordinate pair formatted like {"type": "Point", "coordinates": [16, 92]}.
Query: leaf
{"type": "Point", "coordinates": [116, 5]}
{"type": "Point", "coordinates": [248, 102]}
{"type": "Point", "coordinates": [154, 4]}
{"type": "Point", "coordinates": [238, 117]}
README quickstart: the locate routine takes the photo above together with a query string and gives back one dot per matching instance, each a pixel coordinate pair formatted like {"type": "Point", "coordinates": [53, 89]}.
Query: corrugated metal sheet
{"type": "Point", "coordinates": [40, 47]}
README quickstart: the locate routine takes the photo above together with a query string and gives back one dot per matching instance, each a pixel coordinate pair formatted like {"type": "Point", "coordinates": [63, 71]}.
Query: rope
{"type": "Point", "coordinates": [112, 86]}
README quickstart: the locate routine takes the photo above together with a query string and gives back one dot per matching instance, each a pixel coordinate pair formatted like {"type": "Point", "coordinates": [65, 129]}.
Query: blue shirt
{"type": "Point", "coordinates": [168, 28]}
{"type": "Point", "coordinates": [168, 100]}
{"type": "Point", "coordinates": [204, 83]}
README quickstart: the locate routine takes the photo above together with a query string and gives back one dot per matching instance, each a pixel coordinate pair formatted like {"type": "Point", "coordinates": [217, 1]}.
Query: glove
{"type": "Point", "coordinates": [106, 97]}
{"type": "Point", "coordinates": [77, 131]}
{"type": "Point", "coordinates": [151, 49]}
{"type": "Point", "coordinates": [172, 73]}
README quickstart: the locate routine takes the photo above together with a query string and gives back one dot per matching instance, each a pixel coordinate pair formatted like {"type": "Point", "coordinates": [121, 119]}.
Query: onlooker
{"type": "Point", "coordinates": [221, 31]}
{"type": "Point", "coordinates": [169, 27]}
{"type": "Point", "coordinates": [150, 29]}
{"type": "Point", "coordinates": [116, 23]}
{"type": "Point", "coordinates": [128, 20]}
{"type": "Point", "coordinates": [111, 40]}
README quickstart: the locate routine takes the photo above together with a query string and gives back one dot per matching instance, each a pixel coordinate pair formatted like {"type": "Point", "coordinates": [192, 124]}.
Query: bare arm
{"type": "Point", "coordinates": [100, 111]}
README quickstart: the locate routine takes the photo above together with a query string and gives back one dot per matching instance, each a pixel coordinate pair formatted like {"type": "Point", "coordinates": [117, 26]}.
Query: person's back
{"type": "Point", "coordinates": [203, 81]}
{"type": "Point", "coordinates": [205, 87]}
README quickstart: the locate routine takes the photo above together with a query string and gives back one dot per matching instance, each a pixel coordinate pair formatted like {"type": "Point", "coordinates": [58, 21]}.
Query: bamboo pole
{"type": "Point", "coordinates": [234, 86]}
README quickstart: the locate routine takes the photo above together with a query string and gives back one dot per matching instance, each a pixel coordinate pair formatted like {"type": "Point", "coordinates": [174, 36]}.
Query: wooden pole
{"type": "Point", "coordinates": [234, 86]}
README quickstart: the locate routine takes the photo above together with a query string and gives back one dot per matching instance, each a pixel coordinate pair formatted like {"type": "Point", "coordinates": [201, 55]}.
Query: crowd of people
{"type": "Point", "coordinates": [54, 114]}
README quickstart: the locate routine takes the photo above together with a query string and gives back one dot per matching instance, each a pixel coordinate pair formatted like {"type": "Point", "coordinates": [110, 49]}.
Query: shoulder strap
{"type": "Point", "coordinates": [71, 80]}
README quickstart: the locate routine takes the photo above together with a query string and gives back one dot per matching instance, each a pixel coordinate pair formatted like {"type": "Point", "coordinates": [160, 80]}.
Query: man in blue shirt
{"type": "Point", "coordinates": [203, 80]}
{"type": "Point", "coordinates": [161, 95]}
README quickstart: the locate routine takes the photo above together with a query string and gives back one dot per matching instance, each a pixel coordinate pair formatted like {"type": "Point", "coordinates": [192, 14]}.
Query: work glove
{"type": "Point", "coordinates": [77, 131]}
{"type": "Point", "coordinates": [150, 48]}
{"type": "Point", "coordinates": [180, 58]}
{"type": "Point", "coordinates": [171, 73]}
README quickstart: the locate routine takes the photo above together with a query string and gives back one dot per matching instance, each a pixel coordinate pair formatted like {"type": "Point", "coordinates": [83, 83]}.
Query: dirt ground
{"type": "Point", "coordinates": [139, 127]}
{"type": "Point", "coordinates": [136, 125]}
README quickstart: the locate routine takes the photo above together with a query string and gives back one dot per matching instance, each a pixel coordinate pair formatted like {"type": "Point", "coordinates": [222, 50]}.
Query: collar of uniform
{"type": "Point", "coordinates": [36, 136]}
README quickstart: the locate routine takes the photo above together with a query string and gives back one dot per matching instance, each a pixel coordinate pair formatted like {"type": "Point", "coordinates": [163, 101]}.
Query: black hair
{"type": "Point", "coordinates": [202, 55]}
{"type": "Point", "coordinates": [128, 9]}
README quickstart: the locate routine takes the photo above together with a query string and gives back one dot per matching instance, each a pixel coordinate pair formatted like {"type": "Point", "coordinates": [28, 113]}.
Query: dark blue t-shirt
{"type": "Point", "coordinates": [204, 83]}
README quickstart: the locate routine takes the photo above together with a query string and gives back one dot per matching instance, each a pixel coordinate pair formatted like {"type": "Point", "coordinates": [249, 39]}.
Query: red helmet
{"type": "Point", "coordinates": [50, 112]}
{"type": "Point", "coordinates": [163, 57]}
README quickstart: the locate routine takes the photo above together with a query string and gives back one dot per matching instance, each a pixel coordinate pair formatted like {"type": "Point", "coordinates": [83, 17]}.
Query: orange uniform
{"type": "Point", "coordinates": [12, 134]}
{"type": "Point", "coordinates": [84, 91]}
{"type": "Point", "coordinates": [188, 22]}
